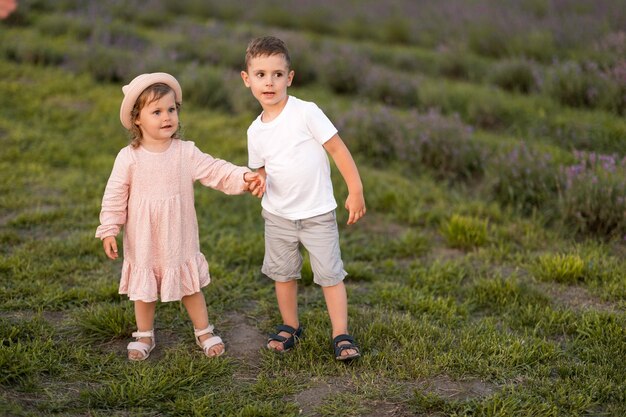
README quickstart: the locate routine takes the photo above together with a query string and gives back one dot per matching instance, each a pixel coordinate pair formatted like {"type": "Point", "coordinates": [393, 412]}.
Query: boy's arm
{"type": "Point", "coordinates": [355, 203]}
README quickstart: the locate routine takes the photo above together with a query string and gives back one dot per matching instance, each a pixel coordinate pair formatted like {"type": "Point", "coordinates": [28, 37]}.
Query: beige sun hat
{"type": "Point", "coordinates": [134, 89]}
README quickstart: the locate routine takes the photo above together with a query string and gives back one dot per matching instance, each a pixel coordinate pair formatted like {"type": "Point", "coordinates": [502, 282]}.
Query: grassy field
{"type": "Point", "coordinates": [487, 279]}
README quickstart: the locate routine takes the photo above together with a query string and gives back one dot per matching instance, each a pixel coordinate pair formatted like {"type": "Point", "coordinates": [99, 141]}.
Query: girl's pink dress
{"type": "Point", "coordinates": [152, 196]}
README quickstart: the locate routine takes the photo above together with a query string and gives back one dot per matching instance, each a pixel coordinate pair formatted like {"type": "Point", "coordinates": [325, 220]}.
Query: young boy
{"type": "Point", "coordinates": [287, 144]}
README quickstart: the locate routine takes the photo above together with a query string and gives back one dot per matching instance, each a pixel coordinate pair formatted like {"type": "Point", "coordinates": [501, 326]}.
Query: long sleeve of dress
{"type": "Point", "coordinates": [115, 200]}
{"type": "Point", "coordinates": [218, 174]}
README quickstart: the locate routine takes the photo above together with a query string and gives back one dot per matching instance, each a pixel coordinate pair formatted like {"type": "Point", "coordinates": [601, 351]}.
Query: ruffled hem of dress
{"type": "Point", "coordinates": [142, 284]}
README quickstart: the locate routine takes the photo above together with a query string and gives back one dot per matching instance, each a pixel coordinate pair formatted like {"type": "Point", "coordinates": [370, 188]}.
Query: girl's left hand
{"type": "Point", "coordinates": [110, 247]}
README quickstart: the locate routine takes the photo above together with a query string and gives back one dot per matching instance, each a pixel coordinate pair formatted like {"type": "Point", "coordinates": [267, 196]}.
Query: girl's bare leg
{"type": "Point", "coordinates": [144, 316]}
{"type": "Point", "coordinates": [196, 308]}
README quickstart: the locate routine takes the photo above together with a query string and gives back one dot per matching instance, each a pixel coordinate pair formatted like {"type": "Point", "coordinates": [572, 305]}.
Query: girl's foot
{"type": "Point", "coordinates": [140, 349]}
{"type": "Point", "coordinates": [211, 345]}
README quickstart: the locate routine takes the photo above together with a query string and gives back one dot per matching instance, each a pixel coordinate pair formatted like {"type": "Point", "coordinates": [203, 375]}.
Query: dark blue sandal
{"type": "Point", "coordinates": [346, 346]}
{"type": "Point", "coordinates": [288, 342]}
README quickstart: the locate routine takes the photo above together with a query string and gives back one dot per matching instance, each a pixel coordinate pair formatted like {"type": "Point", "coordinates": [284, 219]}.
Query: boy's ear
{"type": "Point", "coordinates": [290, 78]}
{"type": "Point", "coordinates": [244, 77]}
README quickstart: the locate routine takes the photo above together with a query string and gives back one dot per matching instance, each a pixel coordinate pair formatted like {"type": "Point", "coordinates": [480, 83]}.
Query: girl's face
{"type": "Point", "coordinates": [158, 119]}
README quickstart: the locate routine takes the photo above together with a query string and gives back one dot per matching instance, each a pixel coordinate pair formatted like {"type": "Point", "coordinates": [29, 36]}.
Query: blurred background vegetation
{"type": "Point", "coordinates": [491, 140]}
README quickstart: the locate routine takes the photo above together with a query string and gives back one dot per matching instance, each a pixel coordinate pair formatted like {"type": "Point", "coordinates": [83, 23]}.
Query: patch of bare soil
{"type": "Point", "coordinates": [381, 409]}
{"type": "Point", "coordinates": [446, 387]}
{"type": "Point", "coordinates": [445, 254]}
{"type": "Point", "coordinates": [375, 224]}
{"type": "Point", "coordinates": [575, 297]}
{"type": "Point", "coordinates": [314, 395]}
{"type": "Point", "coordinates": [243, 340]}
{"type": "Point", "coordinates": [442, 386]}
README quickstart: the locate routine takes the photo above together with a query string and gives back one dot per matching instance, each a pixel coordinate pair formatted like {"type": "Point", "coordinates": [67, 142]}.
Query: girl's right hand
{"type": "Point", "coordinates": [110, 247]}
{"type": "Point", "coordinates": [255, 183]}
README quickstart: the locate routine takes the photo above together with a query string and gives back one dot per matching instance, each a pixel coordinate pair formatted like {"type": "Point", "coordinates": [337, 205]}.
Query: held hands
{"type": "Point", "coordinates": [110, 247]}
{"type": "Point", "coordinates": [355, 204]}
{"type": "Point", "coordinates": [255, 183]}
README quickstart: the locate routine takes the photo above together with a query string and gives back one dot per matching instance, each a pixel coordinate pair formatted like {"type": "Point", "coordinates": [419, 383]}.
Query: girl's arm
{"type": "Point", "coordinates": [115, 202]}
{"type": "Point", "coordinates": [219, 174]}
{"type": "Point", "coordinates": [355, 203]}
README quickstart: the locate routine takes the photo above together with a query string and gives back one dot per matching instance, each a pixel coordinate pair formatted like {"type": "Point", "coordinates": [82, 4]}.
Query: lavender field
{"type": "Point", "coordinates": [487, 279]}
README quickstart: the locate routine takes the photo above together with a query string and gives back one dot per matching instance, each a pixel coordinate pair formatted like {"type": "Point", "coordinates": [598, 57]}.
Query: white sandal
{"type": "Point", "coordinates": [142, 347]}
{"type": "Point", "coordinates": [210, 342]}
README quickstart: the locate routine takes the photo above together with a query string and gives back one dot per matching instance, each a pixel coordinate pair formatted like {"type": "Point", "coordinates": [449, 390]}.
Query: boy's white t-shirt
{"type": "Point", "coordinates": [290, 147]}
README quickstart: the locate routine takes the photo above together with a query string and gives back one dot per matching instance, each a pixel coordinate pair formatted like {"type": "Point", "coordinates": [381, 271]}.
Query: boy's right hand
{"type": "Point", "coordinates": [255, 183]}
{"type": "Point", "coordinates": [110, 247]}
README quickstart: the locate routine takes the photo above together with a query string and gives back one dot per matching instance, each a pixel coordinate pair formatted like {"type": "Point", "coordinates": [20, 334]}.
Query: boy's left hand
{"type": "Point", "coordinates": [355, 204]}
{"type": "Point", "coordinates": [255, 183]}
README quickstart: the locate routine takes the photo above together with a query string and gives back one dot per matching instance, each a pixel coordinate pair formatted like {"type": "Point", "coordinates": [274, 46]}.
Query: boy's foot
{"type": "Point", "coordinates": [284, 339]}
{"type": "Point", "coordinates": [345, 348]}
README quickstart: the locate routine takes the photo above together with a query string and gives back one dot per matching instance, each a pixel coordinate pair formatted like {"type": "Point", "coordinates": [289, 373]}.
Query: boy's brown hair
{"type": "Point", "coordinates": [267, 46]}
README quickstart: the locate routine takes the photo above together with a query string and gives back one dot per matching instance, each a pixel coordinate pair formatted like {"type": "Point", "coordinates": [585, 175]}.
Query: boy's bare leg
{"type": "Point", "coordinates": [337, 305]}
{"type": "Point", "coordinates": [196, 308]}
{"type": "Point", "coordinates": [144, 316]}
{"type": "Point", "coordinates": [287, 297]}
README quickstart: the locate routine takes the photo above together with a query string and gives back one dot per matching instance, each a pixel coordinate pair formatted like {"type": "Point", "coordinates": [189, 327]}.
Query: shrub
{"type": "Point", "coordinates": [465, 232]}
{"type": "Point", "coordinates": [537, 44]}
{"type": "Point", "coordinates": [105, 64]}
{"type": "Point", "coordinates": [459, 64]}
{"type": "Point", "coordinates": [340, 68]}
{"type": "Point", "coordinates": [579, 85]}
{"type": "Point", "coordinates": [610, 49]}
{"type": "Point", "coordinates": [357, 27]}
{"type": "Point", "coordinates": [487, 40]}
{"type": "Point", "coordinates": [396, 29]}
{"type": "Point", "coordinates": [239, 97]}
{"type": "Point", "coordinates": [57, 25]}
{"type": "Point", "coordinates": [390, 87]}
{"type": "Point", "coordinates": [525, 179]}
{"type": "Point", "coordinates": [205, 87]}
{"type": "Point", "coordinates": [493, 111]}
{"type": "Point", "coordinates": [560, 268]}
{"type": "Point", "coordinates": [318, 19]}
{"type": "Point", "coordinates": [593, 199]}
{"type": "Point", "coordinates": [616, 100]}
{"type": "Point", "coordinates": [442, 144]}
{"type": "Point", "coordinates": [372, 134]}
{"type": "Point", "coordinates": [29, 48]}
{"type": "Point", "coordinates": [516, 75]}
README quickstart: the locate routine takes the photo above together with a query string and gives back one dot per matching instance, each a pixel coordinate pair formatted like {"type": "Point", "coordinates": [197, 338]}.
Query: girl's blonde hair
{"type": "Point", "coordinates": [150, 94]}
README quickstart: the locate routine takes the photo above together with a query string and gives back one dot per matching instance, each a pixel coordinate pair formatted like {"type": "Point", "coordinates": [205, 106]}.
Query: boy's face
{"type": "Point", "coordinates": [268, 78]}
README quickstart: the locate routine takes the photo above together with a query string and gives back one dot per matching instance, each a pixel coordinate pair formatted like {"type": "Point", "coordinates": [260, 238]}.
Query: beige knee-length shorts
{"type": "Point", "coordinates": [319, 235]}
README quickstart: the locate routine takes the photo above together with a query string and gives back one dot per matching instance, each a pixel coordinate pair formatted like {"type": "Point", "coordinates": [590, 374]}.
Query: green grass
{"type": "Point", "coordinates": [462, 304]}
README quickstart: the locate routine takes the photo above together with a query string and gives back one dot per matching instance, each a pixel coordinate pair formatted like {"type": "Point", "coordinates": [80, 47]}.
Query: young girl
{"type": "Point", "coordinates": [150, 192]}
